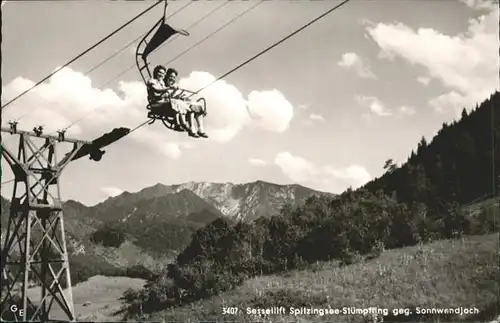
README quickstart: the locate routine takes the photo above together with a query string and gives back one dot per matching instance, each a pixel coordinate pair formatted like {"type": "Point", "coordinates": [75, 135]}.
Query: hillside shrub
{"type": "Point", "coordinates": [108, 236]}
{"type": "Point", "coordinates": [85, 266]}
{"type": "Point", "coordinates": [139, 271]}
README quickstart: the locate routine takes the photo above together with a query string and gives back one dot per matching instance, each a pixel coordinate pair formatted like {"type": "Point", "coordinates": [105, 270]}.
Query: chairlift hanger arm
{"type": "Point", "coordinates": [154, 38]}
{"type": "Point", "coordinates": [165, 11]}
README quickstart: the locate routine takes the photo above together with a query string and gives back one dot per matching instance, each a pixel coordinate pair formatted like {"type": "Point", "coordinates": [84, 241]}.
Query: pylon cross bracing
{"type": "Point", "coordinates": [34, 255]}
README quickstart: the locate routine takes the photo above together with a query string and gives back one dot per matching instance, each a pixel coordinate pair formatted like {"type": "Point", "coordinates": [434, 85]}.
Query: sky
{"type": "Point", "coordinates": [325, 109]}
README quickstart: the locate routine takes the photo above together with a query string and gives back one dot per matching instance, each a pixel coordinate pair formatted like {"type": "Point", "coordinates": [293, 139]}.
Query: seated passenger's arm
{"type": "Point", "coordinates": [170, 92]}
{"type": "Point", "coordinates": [182, 95]}
{"type": "Point", "coordinates": [157, 87]}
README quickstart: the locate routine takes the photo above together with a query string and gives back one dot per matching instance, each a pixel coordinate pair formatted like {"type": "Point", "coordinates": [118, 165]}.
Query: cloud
{"type": "Point", "coordinates": [374, 105]}
{"type": "Point", "coordinates": [69, 95]}
{"type": "Point", "coordinates": [353, 61]}
{"type": "Point", "coordinates": [424, 80]}
{"type": "Point", "coordinates": [326, 178]}
{"type": "Point", "coordinates": [316, 117]}
{"type": "Point", "coordinates": [355, 175]}
{"type": "Point", "coordinates": [256, 162]}
{"type": "Point", "coordinates": [270, 110]}
{"type": "Point", "coordinates": [229, 112]}
{"type": "Point", "coordinates": [466, 64]}
{"type": "Point", "coordinates": [175, 149]}
{"type": "Point", "coordinates": [304, 106]}
{"type": "Point", "coordinates": [297, 168]}
{"type": "Point", "coordinates": [406, 110]}
{"type": "Point", "coordinates": [111, 191]}
{"type": "Point", "coordinates": [479, 4]}
{"type": "Point", "coordinates": [226, 106]}
{"type": "Point", "coordinates": [313, 118]}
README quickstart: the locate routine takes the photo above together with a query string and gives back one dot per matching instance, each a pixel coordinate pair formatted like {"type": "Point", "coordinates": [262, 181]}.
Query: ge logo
{"type": "Point", "coordinates": [14, 309]}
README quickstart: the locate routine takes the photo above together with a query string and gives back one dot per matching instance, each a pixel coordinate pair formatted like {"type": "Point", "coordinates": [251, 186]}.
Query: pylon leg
{"type": "Point", "coordinates": [34, 258]}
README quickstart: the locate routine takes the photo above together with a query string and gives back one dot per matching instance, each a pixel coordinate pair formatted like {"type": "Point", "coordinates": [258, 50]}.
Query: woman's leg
{"type": "Point", "coordinates": [199, 113]}
{"type": "Point", "coordinates": [184, 123]}
{"type": "Point", "coordinates": [181, 113]}
{"type": "Point", "coordinates": [199, 123]}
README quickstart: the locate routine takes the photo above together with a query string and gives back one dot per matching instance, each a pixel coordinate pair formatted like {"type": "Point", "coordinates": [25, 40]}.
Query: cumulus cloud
{"type": "Point", "coordinates": [226, 106]}
{"type": "Point", "coordinates": [355, 62]}
{"type": "Point", "coordinates": [466, 64]}
{"type": "Point", "coordinates": [256, 162]}
{"type": "Point", "coordinates": [406, 110]}
{"type": "Point", "coordinates": [69, 95]}
{"type": "Point", "coordinates": [374, 105]}
{"type": "Point", "coordinates": [297, 168]}
{"type": "Point", "coordinates": [270, 110]}
{"type": "Point", "coordinates": [229, 112]}
{"type": "Point", "coordinates": [326, 178]}
{"type": "Point", "coordinates": [111, 191]}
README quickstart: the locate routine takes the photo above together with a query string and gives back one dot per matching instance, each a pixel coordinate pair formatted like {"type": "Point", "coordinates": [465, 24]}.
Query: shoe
{"type": "Point", "coordinates": [202, 134]}
{"type": "Point", "coordinates": [192, 134]}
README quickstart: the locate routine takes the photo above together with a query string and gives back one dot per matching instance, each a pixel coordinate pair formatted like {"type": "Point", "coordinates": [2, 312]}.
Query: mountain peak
{"type": "Point", "coordinates": [74, 203]}
{"type": "Point", "coordinates": [247, 200]}
{"type": "Point", "coordinates": [157, 186]}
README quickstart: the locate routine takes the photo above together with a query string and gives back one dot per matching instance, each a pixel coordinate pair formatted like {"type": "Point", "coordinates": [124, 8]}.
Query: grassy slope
{"type": "Point", "coordinates": [441, 274]}
{"type": "Point", "coordinates": [102, 292]}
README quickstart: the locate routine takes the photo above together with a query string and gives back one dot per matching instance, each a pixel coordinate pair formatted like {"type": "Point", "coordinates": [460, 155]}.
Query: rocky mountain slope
{"type": "Point", "coordinates": [235, 201]}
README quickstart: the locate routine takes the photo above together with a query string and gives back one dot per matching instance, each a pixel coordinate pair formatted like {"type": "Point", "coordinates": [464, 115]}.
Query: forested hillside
{"type": "Point", "coordinates": [460, 164]}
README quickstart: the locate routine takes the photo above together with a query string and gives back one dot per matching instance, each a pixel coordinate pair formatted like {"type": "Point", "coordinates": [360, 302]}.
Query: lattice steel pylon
{"type": "Point", "coordinates": [33, 250]}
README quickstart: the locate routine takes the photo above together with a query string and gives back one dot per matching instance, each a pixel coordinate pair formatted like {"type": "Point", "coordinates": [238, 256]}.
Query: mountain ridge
{"type": "Point", "coordinates": [187, 201]}
{"type": "Point", "coordinates": [161, 219]}
{"type": "Point", "coordinates": [236, 201]}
